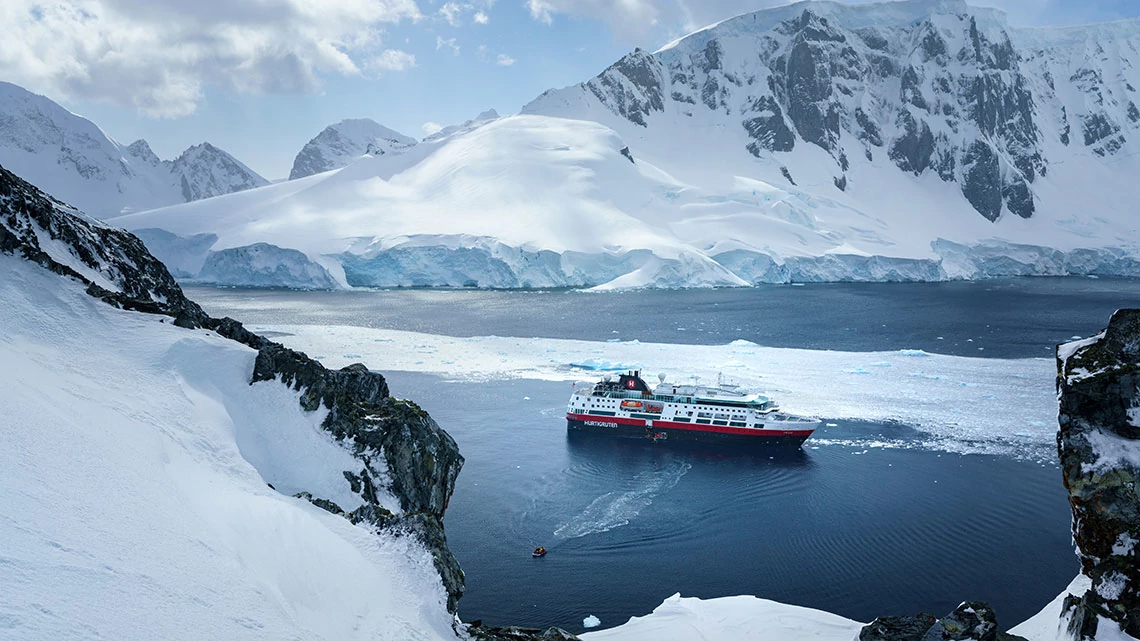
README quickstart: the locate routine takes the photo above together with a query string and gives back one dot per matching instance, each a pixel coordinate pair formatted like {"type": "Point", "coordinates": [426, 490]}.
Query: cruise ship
{"type": "Point", "coordinates": [721, 413]}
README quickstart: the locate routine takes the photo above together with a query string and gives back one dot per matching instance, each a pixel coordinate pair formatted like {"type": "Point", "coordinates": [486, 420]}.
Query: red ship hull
{"type": "Point", "coordinates": [662, 430]}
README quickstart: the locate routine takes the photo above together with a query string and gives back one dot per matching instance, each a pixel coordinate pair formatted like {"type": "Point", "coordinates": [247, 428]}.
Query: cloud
{"type": "Point", "coordinates": [158, 55]}
{"type": "Point", "coordinates": [430, 128]}
{"type": "Point", "coordinates": [625, 16]}
{"type": "Point", "coordinates": [650, 22]}
{"type": "Point", "coordinates": [451, 12]}
{"type": "Point", "coordinates": [392, 60]}
{"type": "Point", "coordinates": [446, 43]}
{"type": "Point", "coordinates": [503, 60]}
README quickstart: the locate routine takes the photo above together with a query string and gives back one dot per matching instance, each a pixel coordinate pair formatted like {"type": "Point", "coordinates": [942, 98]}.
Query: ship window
{"type": "Point", "coordinates": [735, 424]}
{"type": "Point", "coordinates": [720, 422]}
{"type": "Point", "coordinates": [703, 421]}
{"type": "Point", "coordinates": [681, 419]}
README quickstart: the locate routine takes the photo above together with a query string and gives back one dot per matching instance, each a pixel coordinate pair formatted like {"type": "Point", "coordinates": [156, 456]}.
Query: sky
{"type": "Point", "coordinates": [259, 78]}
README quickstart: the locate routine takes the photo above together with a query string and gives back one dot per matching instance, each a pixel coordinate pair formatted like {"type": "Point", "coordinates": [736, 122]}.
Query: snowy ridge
{"type": "Point", "coordinates": [71, 158]}
{"type": "Point", "coordinates": [339, 144]}
{"type": "Point", "coordinates": [136, 472]}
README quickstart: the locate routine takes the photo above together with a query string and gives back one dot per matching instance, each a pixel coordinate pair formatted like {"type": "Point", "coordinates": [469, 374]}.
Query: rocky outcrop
{"type": "Point", "coordinates": [400, 449]}
{"type": "Point", "coordinates": [970, 621]}
{"type": "Point", "coordinates": [480, 632]}
{"type": "Point", "coordinates": [1098, 387]}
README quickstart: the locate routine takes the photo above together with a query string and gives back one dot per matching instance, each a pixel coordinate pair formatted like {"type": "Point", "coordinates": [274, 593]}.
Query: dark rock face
{"type": "Point", "coordinates": [970, 621]}
{"type": "Point", "coordinates": [898, 628]}
{"type": "Point", "coordinates": [1098, 384]}
{"type": "Point", "coordinates": [480, 632]}
{"type": "Point", "coordinates": [631, 87]}
{"type": "Point", "coordinates": [105, 254]}
{"type": "Point", "coordinates": [768, 129]}
{"type": "Point", "coordinates": [392, 439]}
{"type": "Point", "coordinates": [982, 182]}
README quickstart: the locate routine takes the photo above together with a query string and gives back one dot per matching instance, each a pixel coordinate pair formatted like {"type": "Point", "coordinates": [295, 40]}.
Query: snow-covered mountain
{"type": "Point", "coordinates": [71, 158]}
{"type": "Point", "coordinates": [478, 121]}
{"type": "Point", "coordinates": [920, 88]}
{"type": "Point", "coordinates": [819, 141]}
{"type": "Point", "coordinates": [339, 144]}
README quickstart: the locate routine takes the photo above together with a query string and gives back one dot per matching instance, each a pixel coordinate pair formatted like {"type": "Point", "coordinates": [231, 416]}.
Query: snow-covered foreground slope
{"type": "Point", "coordinates": [136, 502]}
{"type": "Point", "coordinates": [741, 618]}
{"type": "Point", "coordinates": [69, 157]}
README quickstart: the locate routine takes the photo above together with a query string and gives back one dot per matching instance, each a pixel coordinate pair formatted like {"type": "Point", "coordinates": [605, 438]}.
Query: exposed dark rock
{"type": "Point", "coordinates": [981, 181]}
{"type": "Point", "coordinates": [787, 174]}
{"type": "Point", "coordinates": [868, 130]}
{"type": "Point", "coordinates": [642, 71]}
{"type": "Point", "coordinates": [910, 89]}
{"type": "Point", "coordinates": [768, 129]}
{"type": "Point", "coordinates": [625, 152]}
{"type": "Point", "coordinates": [481, 632]}
{"type": "Point", "coordinates": [970, 621]}
{"type": "Point", "coordinates": [898, 628]}
{"type": "Point", "coordinates": [1097, 127]}
{"type": "Point", "coordinates": [841, 182]}
{"type": "Point", "coordinates": [1018, 197]}
{"type": "Point", "coordinates": [911, 151]}
{"type": "Point", "coordinates": [1098, 386]}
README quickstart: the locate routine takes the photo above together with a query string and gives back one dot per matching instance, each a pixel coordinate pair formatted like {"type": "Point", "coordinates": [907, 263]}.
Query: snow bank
{"type": "Point", "coordinates": [966, 404]}
{"type": "Point", "coordinates": [136, 501]}
{"type": "Point", "coordinates": [743, 618]}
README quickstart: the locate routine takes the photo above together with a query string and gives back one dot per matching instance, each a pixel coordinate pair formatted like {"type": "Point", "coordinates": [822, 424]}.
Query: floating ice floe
{"type": "Point", "coordinates": [944, 399]}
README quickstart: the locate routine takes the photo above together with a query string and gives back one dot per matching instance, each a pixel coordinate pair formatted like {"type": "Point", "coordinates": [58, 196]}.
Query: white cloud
{"type": "Point", "coordinates": [393, 60]}
{"type": "Point", "coordinates": [481, 18]}
{"type": "Point", "coordinates": [452, 11]}
{"type": "Point", "coordinates": [446, 43]}
{"type": "Point", "coordinates": [158, 55]}
{"type": "Point", "coordinates": [504, 60]}
{"type": "Point", "coordinates": [430, 128]}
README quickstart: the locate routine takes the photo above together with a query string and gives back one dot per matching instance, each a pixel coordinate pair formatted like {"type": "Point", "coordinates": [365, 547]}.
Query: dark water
{"type": "Point", "coordinates": [842, 526]}
{"type": "Point", "coordinates": [845, 525]}
{"type": "Point", "coordinates": [1009, 318]}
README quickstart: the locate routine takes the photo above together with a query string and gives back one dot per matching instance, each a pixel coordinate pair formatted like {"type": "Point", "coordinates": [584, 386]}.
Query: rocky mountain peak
{"type": "Point", "coordinates": [339, 144]}
{"type": "Point", "coordinates": [928, 87]}
{"type": "Point", "coordinates": [204, 171]}
{"type": "Point", "coordinates": [141, 149]}
{"type": "Point", "coordinates": [70, 157]}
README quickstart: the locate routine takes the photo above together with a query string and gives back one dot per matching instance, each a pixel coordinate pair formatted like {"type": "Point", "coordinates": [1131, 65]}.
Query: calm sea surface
{"type": "Point", "coordinates": [847, 524]}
